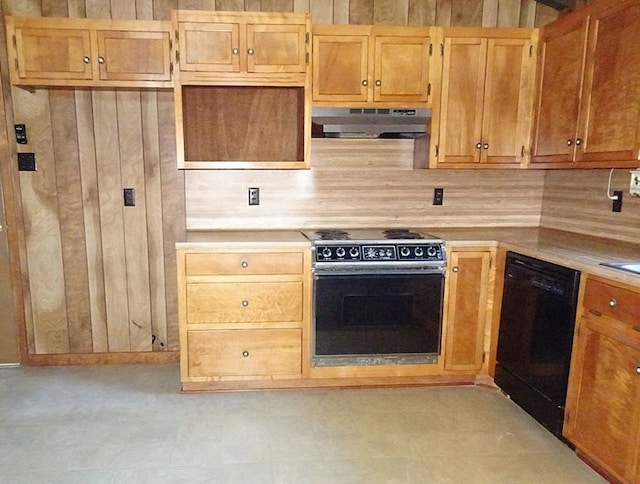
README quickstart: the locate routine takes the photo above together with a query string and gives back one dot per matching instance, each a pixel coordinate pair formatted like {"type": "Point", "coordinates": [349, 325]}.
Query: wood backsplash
{"type": "Point", "coordinates": [576, 200]}
{"type": "Point", "coordinates": [362, 183]}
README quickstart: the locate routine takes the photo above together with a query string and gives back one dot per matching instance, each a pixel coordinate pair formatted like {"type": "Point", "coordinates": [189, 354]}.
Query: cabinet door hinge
{"type": "Point", "coordinates": [531, 51]}
{"type": "Point", "coordinates": [484, 357]}
{"type": "Point", "coordinates": [429, 89]}
{"type": "Point", "coordinates": [177, 57]}
{"type": "Point", "coordinates": [442, 50]}
{"type": "Point", "coordinates": [15, 61]}
{"type": "Point", "coordinates": [15, 44]}
{"type": "Point", "coordinates": [171, 68]}
{"type": "Point", "coordinates": [437, 151]}
{"type": "Point", "coordinates": [306, 37]}
{"type": "Point", "coordinates": [430, 49]}
{"type": "Point", "coordinates": [522, 152]}
{"type": "Point", "coordinates": [490, 262]}
{"type": "Point", "coordinates": [176, 36]}
{"type": "Point", "coordinates": [306, 58]}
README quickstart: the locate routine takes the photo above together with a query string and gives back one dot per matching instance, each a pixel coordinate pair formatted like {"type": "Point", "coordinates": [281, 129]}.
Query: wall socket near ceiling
{"type": "Point", "coordinates": [634, 185]}
{"type": "Point", "coordinates": [254, 196]}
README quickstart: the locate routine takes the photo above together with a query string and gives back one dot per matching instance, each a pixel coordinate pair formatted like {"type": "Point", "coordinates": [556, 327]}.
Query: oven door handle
{"type": "Point", "coordinates": [406, 272]}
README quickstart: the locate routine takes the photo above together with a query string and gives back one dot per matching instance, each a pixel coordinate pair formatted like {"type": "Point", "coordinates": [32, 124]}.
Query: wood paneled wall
{"type": "Point", "coordinates": [99, 277]}
{"type": "Point", "coordinates": [576, 200]}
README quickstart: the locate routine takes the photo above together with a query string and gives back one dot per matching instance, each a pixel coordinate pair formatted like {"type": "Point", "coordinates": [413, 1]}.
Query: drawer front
{"type": "Point", "coordinates": [245, 353]}
{"type": "Point", "coordinates": [244, 263]}
{"type": "Point", "coordinates": [611, 301]}
{"type": "Point", "coordinates": [244, 302]}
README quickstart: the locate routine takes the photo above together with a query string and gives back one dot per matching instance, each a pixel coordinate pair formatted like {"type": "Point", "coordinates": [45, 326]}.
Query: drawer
{"type": "Point", "coordinates": [238, 353]}
{"type": "Point", "coordinates": [244, 263]}
{"type": "Point", "coordinates": [615, 302]}
{"type": "Point", "coordinates": [244, 302]}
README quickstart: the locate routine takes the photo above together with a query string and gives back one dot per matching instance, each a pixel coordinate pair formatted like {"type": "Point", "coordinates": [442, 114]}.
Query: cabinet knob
{"type": "Point", "coordinates": [638, 370]}
{"type": "Point", "coordinates": [245, 353]}
{"type": "Point", "coordinates": [578, 142]}
{"type": "Point", "coordinates": [569, 142]}
{"type": "Point", "coordinates": [365, 82]}
{"type": "Point", "coordinates": [486, 146]}
{"type": "Point", "coordinates": [378, 82]}
{"type": "Point", "coordinates": [250, 52]}
{"type": "Point", "coordinates": [245, 303]}
{"type": "Point", "coordinates": [86, 59]}
{"type": "Point", "coordinates": [244, 264]}
{"type": "Point", "coordinates": [100, 60]}
{"type": "Point", "coordinates": [235, 51]}
{"type": "Point", "coordinates": [612, 302]}
{"type": "Point", "coordinates": [455, 269]}
{"type": "Point", "coordinates": [479, 146]}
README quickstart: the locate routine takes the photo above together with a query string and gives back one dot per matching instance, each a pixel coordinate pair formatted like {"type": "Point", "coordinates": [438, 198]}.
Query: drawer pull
{"type": "Point", "coordinates": [638, 370]}
{"type": "Point", "coordinates": [245, 303]}
{"type": "Point", "coordinates": [245, 354]}
{"type": "Point", "coordinates": [244, 264]}
{"type": "Point", "coordinates": [613, 303]}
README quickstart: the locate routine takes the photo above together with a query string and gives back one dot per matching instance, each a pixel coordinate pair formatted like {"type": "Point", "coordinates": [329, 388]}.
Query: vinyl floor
{"type": "Point", "coordinates": [130, 424]}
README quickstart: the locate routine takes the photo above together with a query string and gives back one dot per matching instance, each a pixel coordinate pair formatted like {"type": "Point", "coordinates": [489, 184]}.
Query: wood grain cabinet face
{"type": "Point", "coordinates": [603, 403]}
{"type": "Point", "coordinates": [466, 310]}
{"type": "Point", "coordinates": [485, 101]}
{"type": "Point", "coordinates": [589, 90]}
{"type": "Point", "coordinates": [89, 52]}
{"type": "Point", "coordinates": [243, 314]}
{"type": "Point", "coordinates": [212, 46]}
{"type": "Point", "coordinates": [365, 64]}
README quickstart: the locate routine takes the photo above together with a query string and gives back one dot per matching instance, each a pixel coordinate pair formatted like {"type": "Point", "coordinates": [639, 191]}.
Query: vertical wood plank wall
{"type": "Point", "coordinates": [99, 277]}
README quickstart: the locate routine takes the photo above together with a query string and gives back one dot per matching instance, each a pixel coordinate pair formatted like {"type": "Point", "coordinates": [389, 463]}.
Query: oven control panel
{"type": "Point", "coordinates": [379, 252]}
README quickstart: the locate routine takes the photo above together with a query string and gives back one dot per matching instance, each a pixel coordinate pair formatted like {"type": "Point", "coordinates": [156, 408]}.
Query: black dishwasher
{"type": "Point", "coordinates": [536, 336]}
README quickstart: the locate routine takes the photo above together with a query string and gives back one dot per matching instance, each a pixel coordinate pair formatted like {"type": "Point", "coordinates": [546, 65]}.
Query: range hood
{"type": "Point", "coordinates": [371, 122]}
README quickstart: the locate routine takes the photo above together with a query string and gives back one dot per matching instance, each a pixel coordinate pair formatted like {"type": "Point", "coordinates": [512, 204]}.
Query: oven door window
{"type": "Point", "coordinates": [378, 314]}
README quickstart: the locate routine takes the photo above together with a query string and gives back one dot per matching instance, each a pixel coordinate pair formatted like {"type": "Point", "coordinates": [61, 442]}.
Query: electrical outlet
{"type": "Point", "coordinates": [129, 195]}
{"type": "Point", "coordinates": [616, 206]}
{"type": "Point", "coordinates": [254, 196]}
{"type": "Point", "coordinates": [26, 161]}
{"type": "Point", "coordinates": [438, 195]}
{"type": "Point", "coordinates": [634, 185]}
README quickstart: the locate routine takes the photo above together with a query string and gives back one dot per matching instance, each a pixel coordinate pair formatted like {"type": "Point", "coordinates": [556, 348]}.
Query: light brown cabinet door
{"type": "Point", "coordinates": [143, 56]}
{"type": "Point", "coordinates": [270, 353]}
{"type": "Point", "coordinates": [610, 120]}
{"type": "Point", "coordinates": [340, 67]}
{"type": "Point", "coordinates": [466, 310]}
{"type": "Point", "coordinates": [276, 48]}
{"type": "Point", "coordinates": [506, 101]}
{"type": "Point", "coordinates": [462, 100]}
{"type": "Point", "coordinates": [559, 83]}
{"type": "Point", "coordinates": [604, 414]}
{"type": "Point", "coordinates": [401, 69]}
{"type": "Point", "coordinates": [208, 46]}
{"type": "Point", "coordinates": [48, 53]}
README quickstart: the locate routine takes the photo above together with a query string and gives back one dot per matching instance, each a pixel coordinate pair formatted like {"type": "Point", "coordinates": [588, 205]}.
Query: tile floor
{"type": "Point", "coordinates": [129, 424]}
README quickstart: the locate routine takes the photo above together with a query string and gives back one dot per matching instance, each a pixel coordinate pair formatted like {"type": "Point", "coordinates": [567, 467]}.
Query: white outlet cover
{"type": "Point", "coordinates": [634, 184]}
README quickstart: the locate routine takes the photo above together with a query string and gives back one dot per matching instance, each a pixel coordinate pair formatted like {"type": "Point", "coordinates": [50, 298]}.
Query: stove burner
{"type": "Point", "coordinates": [332, 234]}
{"type": "Point", "coordinates": [401, 234]}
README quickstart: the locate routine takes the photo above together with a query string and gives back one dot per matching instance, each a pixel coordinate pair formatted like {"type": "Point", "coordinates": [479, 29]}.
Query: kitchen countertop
{"type": "Point", "coordinates": [581, 252]}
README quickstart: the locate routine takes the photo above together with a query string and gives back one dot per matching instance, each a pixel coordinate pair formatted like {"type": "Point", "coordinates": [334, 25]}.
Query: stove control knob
{"type": "Point", "coordinates": [326, 252]}
{"type": "Point", "coordinates": [404, 251]}
{"type": "Point", "coordinates": [432, 251]}
{"type": "Point", "coordinates": [389, 253]}
{"type": "Point", "coordinates": [419, 252]}
{"type": "Point", "coordinates": [340, 251]}
{"type": "Point", "coordinates": [353, 252]}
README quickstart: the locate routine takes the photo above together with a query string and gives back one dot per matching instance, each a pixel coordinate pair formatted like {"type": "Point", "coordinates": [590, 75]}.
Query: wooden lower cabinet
{"type": "Point", "coordinates": [603, 403]}
{"type": "Point", "coordinates": [255, 353]}
{"type": "Point", "coordinates": [243, 316]}
{"type": "Point", "coordinates": [466, 310]}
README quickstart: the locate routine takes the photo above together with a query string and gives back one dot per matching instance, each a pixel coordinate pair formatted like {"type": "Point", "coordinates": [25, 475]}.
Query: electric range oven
{"type": "Point", "coordinates": [377, 297]}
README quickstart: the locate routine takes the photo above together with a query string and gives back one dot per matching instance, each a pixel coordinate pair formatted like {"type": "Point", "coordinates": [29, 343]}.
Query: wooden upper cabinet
{"type": "Point", "coordinates": [48, 51]}
{"type": "Point", "coordinates": [241, 48]}
{"type": "Point", "coordinates": [485, 104]}
{"type": "Point", "coordinates": [358, 65]}
{"type": "Point", "coordinates": [589, 89]}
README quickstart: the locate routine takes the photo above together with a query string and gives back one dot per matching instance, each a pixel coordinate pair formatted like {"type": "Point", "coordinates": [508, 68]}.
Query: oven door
{"type": "Point", "coordinates": [377, 318]}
